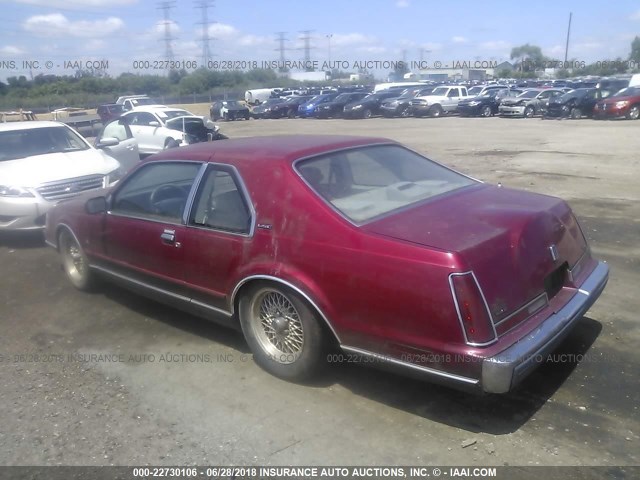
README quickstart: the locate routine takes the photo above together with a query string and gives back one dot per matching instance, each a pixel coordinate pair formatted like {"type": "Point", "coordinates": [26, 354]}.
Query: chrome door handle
{"type": "Point", "coordinates": [168, 236]}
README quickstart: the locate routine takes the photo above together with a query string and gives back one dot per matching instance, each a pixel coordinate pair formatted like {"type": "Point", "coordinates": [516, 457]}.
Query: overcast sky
{"type": "Point", "coordinates": [122, 31]}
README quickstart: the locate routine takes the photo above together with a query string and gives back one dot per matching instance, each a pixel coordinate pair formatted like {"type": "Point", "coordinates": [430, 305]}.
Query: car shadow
{"type": "Point", "coordinates": [178, 319]}
{"type": "Point", "coordinates": [494, 414]}
{"type": "Point", "coordinates": [22, 240]}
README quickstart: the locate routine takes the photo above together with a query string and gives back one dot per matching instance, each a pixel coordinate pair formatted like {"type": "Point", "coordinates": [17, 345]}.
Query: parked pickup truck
{"type": "Point", "coordinates": [441, 100]}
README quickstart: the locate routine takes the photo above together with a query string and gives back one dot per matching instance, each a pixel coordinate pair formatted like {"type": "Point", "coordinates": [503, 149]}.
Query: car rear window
{"type": "Point", "coordinates": [365, 183]}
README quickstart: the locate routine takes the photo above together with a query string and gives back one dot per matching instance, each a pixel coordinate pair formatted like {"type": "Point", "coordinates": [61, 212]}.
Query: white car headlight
{"type": "Point", "coordinates": [474, 103]}
{"type": "Point", "coordinates": [357, 107]}
{"type": "Point", "coordinates": [15, 192]}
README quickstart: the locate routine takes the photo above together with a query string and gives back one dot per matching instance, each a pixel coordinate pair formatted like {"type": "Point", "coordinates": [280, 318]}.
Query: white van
{"type": "Point", "coordinates": [257, 96]}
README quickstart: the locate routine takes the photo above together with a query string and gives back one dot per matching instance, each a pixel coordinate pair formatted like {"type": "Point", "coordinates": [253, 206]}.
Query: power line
{"type": "Point", "coordinates": [204, 5]}
{"type": "Point", "coordinates": [306, 38]}
{"type": "Point", "coordinates": [281, 39]}
{"type": "Point", "coordinates": [166, 7]}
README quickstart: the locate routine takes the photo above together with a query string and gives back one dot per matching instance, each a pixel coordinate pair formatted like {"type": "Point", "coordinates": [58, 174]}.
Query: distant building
{"type": "Point", "coordinates": [446, 74]}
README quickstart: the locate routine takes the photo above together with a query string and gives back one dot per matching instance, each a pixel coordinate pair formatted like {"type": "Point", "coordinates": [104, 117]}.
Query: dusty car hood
{"type": "Point", "coordinates": [504, 235]}
{"type": "Point", "coordinates": [33, 171]}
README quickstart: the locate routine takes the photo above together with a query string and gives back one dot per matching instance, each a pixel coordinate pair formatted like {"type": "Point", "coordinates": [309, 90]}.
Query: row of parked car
{"type": "Point", "coordinates": [604, 99]}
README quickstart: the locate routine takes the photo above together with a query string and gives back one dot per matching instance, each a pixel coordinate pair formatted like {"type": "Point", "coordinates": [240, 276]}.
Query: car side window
{"type": "Point", "coordinates": [157, 190]}
{"type": "Point", "coordinates": [453, 93]}
{"type": "Point", "coordinates": [117, 129]}
{"type": "Point", "coordinates": [220, 203]}
{"type": "Point", "coordinates": [141, 118]}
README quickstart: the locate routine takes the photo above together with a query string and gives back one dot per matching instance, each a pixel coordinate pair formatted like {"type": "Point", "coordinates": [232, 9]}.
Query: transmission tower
{"type": "Point", "coordinates": [306, 38]}
{"type": "Point", "coordinates": [204, 5]}
{"type": "Point", "coordinates": [166, 7]}
{"type": "Point", "coordinates": [281, 39]}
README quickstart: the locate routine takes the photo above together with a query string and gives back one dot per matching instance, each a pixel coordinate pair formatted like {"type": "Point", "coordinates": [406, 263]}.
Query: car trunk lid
{"type": "Point", "coordinates": [518, 244]}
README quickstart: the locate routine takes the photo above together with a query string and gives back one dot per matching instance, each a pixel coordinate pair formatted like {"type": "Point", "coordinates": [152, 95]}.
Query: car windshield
{"type": "Point", "coordinates": [627, 92]}
{"type": "Point", "coordinates": [233, 103]}
{"type": "Point", "coordinates": [39, 141]}
{"type": "Point", "coordinates": [137, 102]}
{"type": "Point", "coordinates": [169, 114]}
{"type": "Point", "coordinates": [577, 93]}
{"type": "Point", "coordinates": [343, 97]}
{"type": "Point", "coordinates": [474, 91]}
{"type": "Point", "coordinates": [440, 91]}
{"type": "Point", "coordinates": [529, 94]}
{"type": "Point", "coordinates": [367, 182]}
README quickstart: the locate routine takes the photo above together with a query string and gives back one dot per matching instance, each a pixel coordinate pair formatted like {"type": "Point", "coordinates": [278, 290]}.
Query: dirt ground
{"type": "Point", "coordinates": [63, 407]}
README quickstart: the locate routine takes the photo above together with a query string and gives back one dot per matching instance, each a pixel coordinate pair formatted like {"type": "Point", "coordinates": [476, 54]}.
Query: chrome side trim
{"type": "Point", "coordinates": [140, 283]}
{"type": "Point", "coordinates": [51, 244]}
{"type": "Point", "coordinates": [211, 307]}
{"type": "Point", "coordinates": [526, 305]}
{"type": "Point", "coordinates": [486, 306]}
{"type": "Point", "coordinates": [412, 366]}
{"type": "Point", "coordinates": [161, 291]}
{"type": "Point", "coordinates": [232, 300]}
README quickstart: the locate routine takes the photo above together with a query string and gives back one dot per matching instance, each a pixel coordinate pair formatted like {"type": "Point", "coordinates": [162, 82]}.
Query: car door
{"type": "Point", "coordinates": [451, 102]}
{"type": "Point", "coordinates": [144, 228]}
{"type": "Point", "coordinates": [126, 150]}
{"type": "Point", "coordinates": [143, 131]}
{"type": "Point", "coordinates": [219, 235]}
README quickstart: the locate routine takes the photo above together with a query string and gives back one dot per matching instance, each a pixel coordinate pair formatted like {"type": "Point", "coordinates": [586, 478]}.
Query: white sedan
{"type": "Point", "coordinates": [44, 162]}
{"type": "Point", "coordinates": [157, 127]}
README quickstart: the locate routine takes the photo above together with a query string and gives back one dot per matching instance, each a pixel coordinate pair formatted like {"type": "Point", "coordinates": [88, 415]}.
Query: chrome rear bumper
{"type": "Point", "coordinates": [505, 370]}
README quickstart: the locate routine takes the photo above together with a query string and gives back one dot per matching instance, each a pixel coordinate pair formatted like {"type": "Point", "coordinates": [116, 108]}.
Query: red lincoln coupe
{"type": "Point", "coordinates": [309, 241]}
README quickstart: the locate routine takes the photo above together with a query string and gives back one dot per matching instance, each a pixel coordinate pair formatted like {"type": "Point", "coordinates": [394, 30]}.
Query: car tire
{"type": "Point", "coordinates": [74, 261]}
{"type": "Point", "coordinates": [529, 112]}
{"type": "Point", "coordinates": [291, 114]}
{"type": "Point", "coordinates": [634, 112]}
{"type": "Point", "coordinates": [282, 331]}
{"type": "Point", "coordinates": [404, 112]}
{"type": "Point", "coordinates": [436, 111]}
{"type": "Point", "coordinates": [486, 111]}
{"type": "Point", "coordinates": [225, 117]}
{"type": "Point", "coordinates": [575, 113]}
{"type": "Point", "coordinates": [170, 143]}
{"type": "Point", "coordinates": [366, 113]}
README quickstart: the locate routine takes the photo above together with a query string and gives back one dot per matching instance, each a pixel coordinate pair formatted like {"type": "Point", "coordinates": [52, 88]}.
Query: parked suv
{"type": "Point", "coordinates": [443, 99]}
{"type": "Point", "coordinates": [399, 106]}
{"type": "Point", "coordinates": [486, 104]}
{"type": "Point", "coordinates": [625, 103]}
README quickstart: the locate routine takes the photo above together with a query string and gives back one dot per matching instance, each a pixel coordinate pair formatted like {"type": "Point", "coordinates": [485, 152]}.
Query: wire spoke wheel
{"type": "Point", "coordinates": [277, 326]}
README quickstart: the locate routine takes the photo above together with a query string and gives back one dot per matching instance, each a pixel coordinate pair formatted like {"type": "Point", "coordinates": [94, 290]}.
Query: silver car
{"type": "Point", "coordinates": [42, 163]}
{"type": "Point", "coordinates": [529, 103]}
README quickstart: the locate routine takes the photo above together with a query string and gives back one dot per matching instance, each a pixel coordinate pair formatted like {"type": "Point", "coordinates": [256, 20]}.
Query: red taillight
{"type": "Point", "coordinates": [472, 309]}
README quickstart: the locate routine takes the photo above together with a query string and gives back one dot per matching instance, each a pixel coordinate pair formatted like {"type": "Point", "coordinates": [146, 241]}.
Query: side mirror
{"type": "Point", "coordinates": [154, 124]}
{"type": "Point", "coordinates": [107, 142]}
{"type": "Point", "coordinates": [96, 205]}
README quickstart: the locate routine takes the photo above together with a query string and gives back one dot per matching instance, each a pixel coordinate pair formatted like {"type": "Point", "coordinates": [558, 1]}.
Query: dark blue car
{"type": "Point", "coordinates": [310, 108]}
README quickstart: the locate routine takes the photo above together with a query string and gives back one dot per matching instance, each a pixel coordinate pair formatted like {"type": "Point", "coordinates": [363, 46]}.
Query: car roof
{"type": "Point", "coordinates": [154, 108]}
{"type": "Point", "coordinates": [26, 125]}
{"type": "Point", "coordinates": [283, 148]}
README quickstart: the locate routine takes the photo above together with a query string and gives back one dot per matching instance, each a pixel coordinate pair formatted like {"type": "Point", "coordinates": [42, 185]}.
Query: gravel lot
{"type": "Point", "coordinates": [162, 402]}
